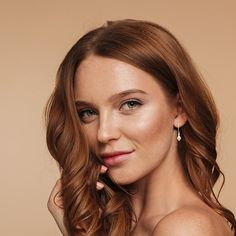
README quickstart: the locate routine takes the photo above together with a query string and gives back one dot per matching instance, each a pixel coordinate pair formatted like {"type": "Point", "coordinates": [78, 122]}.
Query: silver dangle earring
{"type": "Point", "coordinates": [178, 134]}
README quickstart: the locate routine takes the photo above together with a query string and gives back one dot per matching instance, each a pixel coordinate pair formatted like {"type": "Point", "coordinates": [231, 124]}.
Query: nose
{"type": "Point", "coordinates": [108, 128]}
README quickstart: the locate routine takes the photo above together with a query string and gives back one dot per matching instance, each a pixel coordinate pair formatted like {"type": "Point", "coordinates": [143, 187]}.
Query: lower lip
{"type": "Point", "coordinates": [116, 160]}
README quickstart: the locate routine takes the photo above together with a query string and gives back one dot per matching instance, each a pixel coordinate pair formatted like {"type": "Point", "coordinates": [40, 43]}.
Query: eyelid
{"type": "Point", "coordinates": [132, 100]}
{"type": "Point", "coordinates": [80, 111]}
{"type": "Point", "coordinates": [84, 109]}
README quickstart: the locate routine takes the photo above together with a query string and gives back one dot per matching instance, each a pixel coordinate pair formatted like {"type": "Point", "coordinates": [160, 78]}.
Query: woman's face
{"type": "Point", "coordinates": [123, 108]}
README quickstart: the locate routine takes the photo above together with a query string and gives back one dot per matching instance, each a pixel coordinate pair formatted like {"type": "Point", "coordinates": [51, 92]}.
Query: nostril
{"type": "Point", "coordinates": [105, 135]}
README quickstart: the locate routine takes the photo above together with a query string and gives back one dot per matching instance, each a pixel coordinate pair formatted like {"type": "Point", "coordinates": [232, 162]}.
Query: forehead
{"type": "Point", "coordinates": [100, 77]}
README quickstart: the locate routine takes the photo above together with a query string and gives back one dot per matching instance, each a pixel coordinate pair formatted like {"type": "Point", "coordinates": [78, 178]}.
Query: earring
{"type": "Point", "coordinates": [178, 134]}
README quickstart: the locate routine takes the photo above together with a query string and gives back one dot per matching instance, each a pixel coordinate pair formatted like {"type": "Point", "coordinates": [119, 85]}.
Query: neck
{"type": "Point", "coordinates": [162, 191]}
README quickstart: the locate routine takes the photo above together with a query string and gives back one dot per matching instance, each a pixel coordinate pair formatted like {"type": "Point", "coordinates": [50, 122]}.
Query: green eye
{"type": "Point", "coordinates": [130, 105]}
{"type": "Point", "coordinates": [86, 114]}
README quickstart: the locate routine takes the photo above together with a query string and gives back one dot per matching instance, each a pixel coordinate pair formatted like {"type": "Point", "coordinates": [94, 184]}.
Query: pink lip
{"type": "Point", "coordinates": [115, 158]}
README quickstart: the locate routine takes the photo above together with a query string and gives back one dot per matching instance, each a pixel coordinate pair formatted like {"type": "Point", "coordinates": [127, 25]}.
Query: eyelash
{"type": "Point", "coordinates": [135, 101]}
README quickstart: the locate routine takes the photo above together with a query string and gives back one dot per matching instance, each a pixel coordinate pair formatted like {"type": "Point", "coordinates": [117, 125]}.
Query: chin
{"type": "Point", "coordinates": [121, 178]}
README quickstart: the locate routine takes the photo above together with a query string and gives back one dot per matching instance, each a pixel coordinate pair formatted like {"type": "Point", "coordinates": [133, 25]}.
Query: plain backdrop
{"type": "Point", "coordinates": [35, 36]}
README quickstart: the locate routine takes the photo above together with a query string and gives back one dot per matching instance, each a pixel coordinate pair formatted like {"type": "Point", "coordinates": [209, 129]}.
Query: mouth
{"type": "Point", "coordinates": [116, 158]}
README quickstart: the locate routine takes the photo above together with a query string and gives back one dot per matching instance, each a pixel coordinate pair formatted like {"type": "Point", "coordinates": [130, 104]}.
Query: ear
{"type": "Point", "coordinates": [181, 116]}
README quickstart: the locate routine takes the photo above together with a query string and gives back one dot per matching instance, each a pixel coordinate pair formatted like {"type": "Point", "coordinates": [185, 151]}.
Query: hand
{"type": "Point", "coordinates": [55, 206]}
{"type": "Point", "coordinates": [55, 203]}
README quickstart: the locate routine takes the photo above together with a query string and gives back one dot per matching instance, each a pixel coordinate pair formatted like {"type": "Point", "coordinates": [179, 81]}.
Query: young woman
{"type": "Point", "coordinates": [133, 128]}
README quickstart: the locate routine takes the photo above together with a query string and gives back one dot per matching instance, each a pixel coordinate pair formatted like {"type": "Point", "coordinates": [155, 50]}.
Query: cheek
{"type": "Point", "coordinates": [90, 135]}
{"type": "Point", "coordinates": [151, 134]}
{"type": "Point", "coordinates": [150, 125]}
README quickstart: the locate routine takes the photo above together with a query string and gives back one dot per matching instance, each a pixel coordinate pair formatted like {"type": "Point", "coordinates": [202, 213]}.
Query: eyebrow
{"type": "Point", "coordinates": [114, 97]}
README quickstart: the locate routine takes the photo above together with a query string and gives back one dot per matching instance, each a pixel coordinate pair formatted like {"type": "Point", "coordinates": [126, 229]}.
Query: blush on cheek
{"type": "Point", "coordinates": [91, 136]}
{"type": "Point", "coordinates": [150, 122]}
{"type": "Point", "coordinates": [154, 127]}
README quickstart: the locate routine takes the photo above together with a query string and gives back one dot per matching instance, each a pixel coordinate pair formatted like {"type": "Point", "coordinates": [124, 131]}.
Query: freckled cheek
{"type": "Point", "coordinates": [91, 137]}
{"type": "Point", "coordinates": [149, 125]}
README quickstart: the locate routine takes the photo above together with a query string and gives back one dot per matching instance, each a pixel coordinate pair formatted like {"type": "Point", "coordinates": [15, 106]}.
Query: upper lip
{"type": "Point", "coordinates": [111, 154]}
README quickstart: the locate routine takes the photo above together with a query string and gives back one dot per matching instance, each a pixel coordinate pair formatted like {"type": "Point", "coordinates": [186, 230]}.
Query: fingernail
{"type": "Point", "coordinates": [100, 186]}
{"type": "Point", "coordinates": [103, 169]}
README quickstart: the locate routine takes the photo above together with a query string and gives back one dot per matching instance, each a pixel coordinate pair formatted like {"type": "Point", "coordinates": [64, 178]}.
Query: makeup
{"type": "Point", "coordinates": [116, 158]}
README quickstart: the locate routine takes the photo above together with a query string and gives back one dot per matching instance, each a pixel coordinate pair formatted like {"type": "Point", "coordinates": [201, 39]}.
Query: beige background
{"type": "Point", "coordinates": [35, 35]}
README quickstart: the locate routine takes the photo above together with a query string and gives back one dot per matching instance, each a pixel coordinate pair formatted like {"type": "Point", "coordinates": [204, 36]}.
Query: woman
{"type": "Point", "coordinates": [133, 128]}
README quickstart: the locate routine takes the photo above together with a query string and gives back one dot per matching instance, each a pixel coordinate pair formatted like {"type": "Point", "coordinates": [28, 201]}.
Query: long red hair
{"type": "Point", "coordinates": [155, 50]}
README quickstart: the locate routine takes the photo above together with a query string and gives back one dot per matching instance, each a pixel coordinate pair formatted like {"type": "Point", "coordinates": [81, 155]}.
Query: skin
{"type": "Point", "coordinates": [142, 122]}
{"type": "Point", "coordinates": [107, 123]}
{"type": "Point", "coordinates": [55, 203]}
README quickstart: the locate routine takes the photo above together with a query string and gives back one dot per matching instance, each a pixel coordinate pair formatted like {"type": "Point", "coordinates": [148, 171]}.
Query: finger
{"type": "Point", "coordinates": [103, 169]}
{"type": "Point", "coordinates": [57, 186]}
{"type": "Point", "coordinates": [100, 185]}
{"type": "Point", "coordinates": [58, 200]}
{"type": "Point", "coordinates": [55, 197]}
{"type": "Point", "coordinates": [56, 189]}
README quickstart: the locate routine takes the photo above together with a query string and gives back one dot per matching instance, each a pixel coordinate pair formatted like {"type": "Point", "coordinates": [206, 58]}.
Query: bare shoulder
{"type": "Point", "coordinates": [194, 221]}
